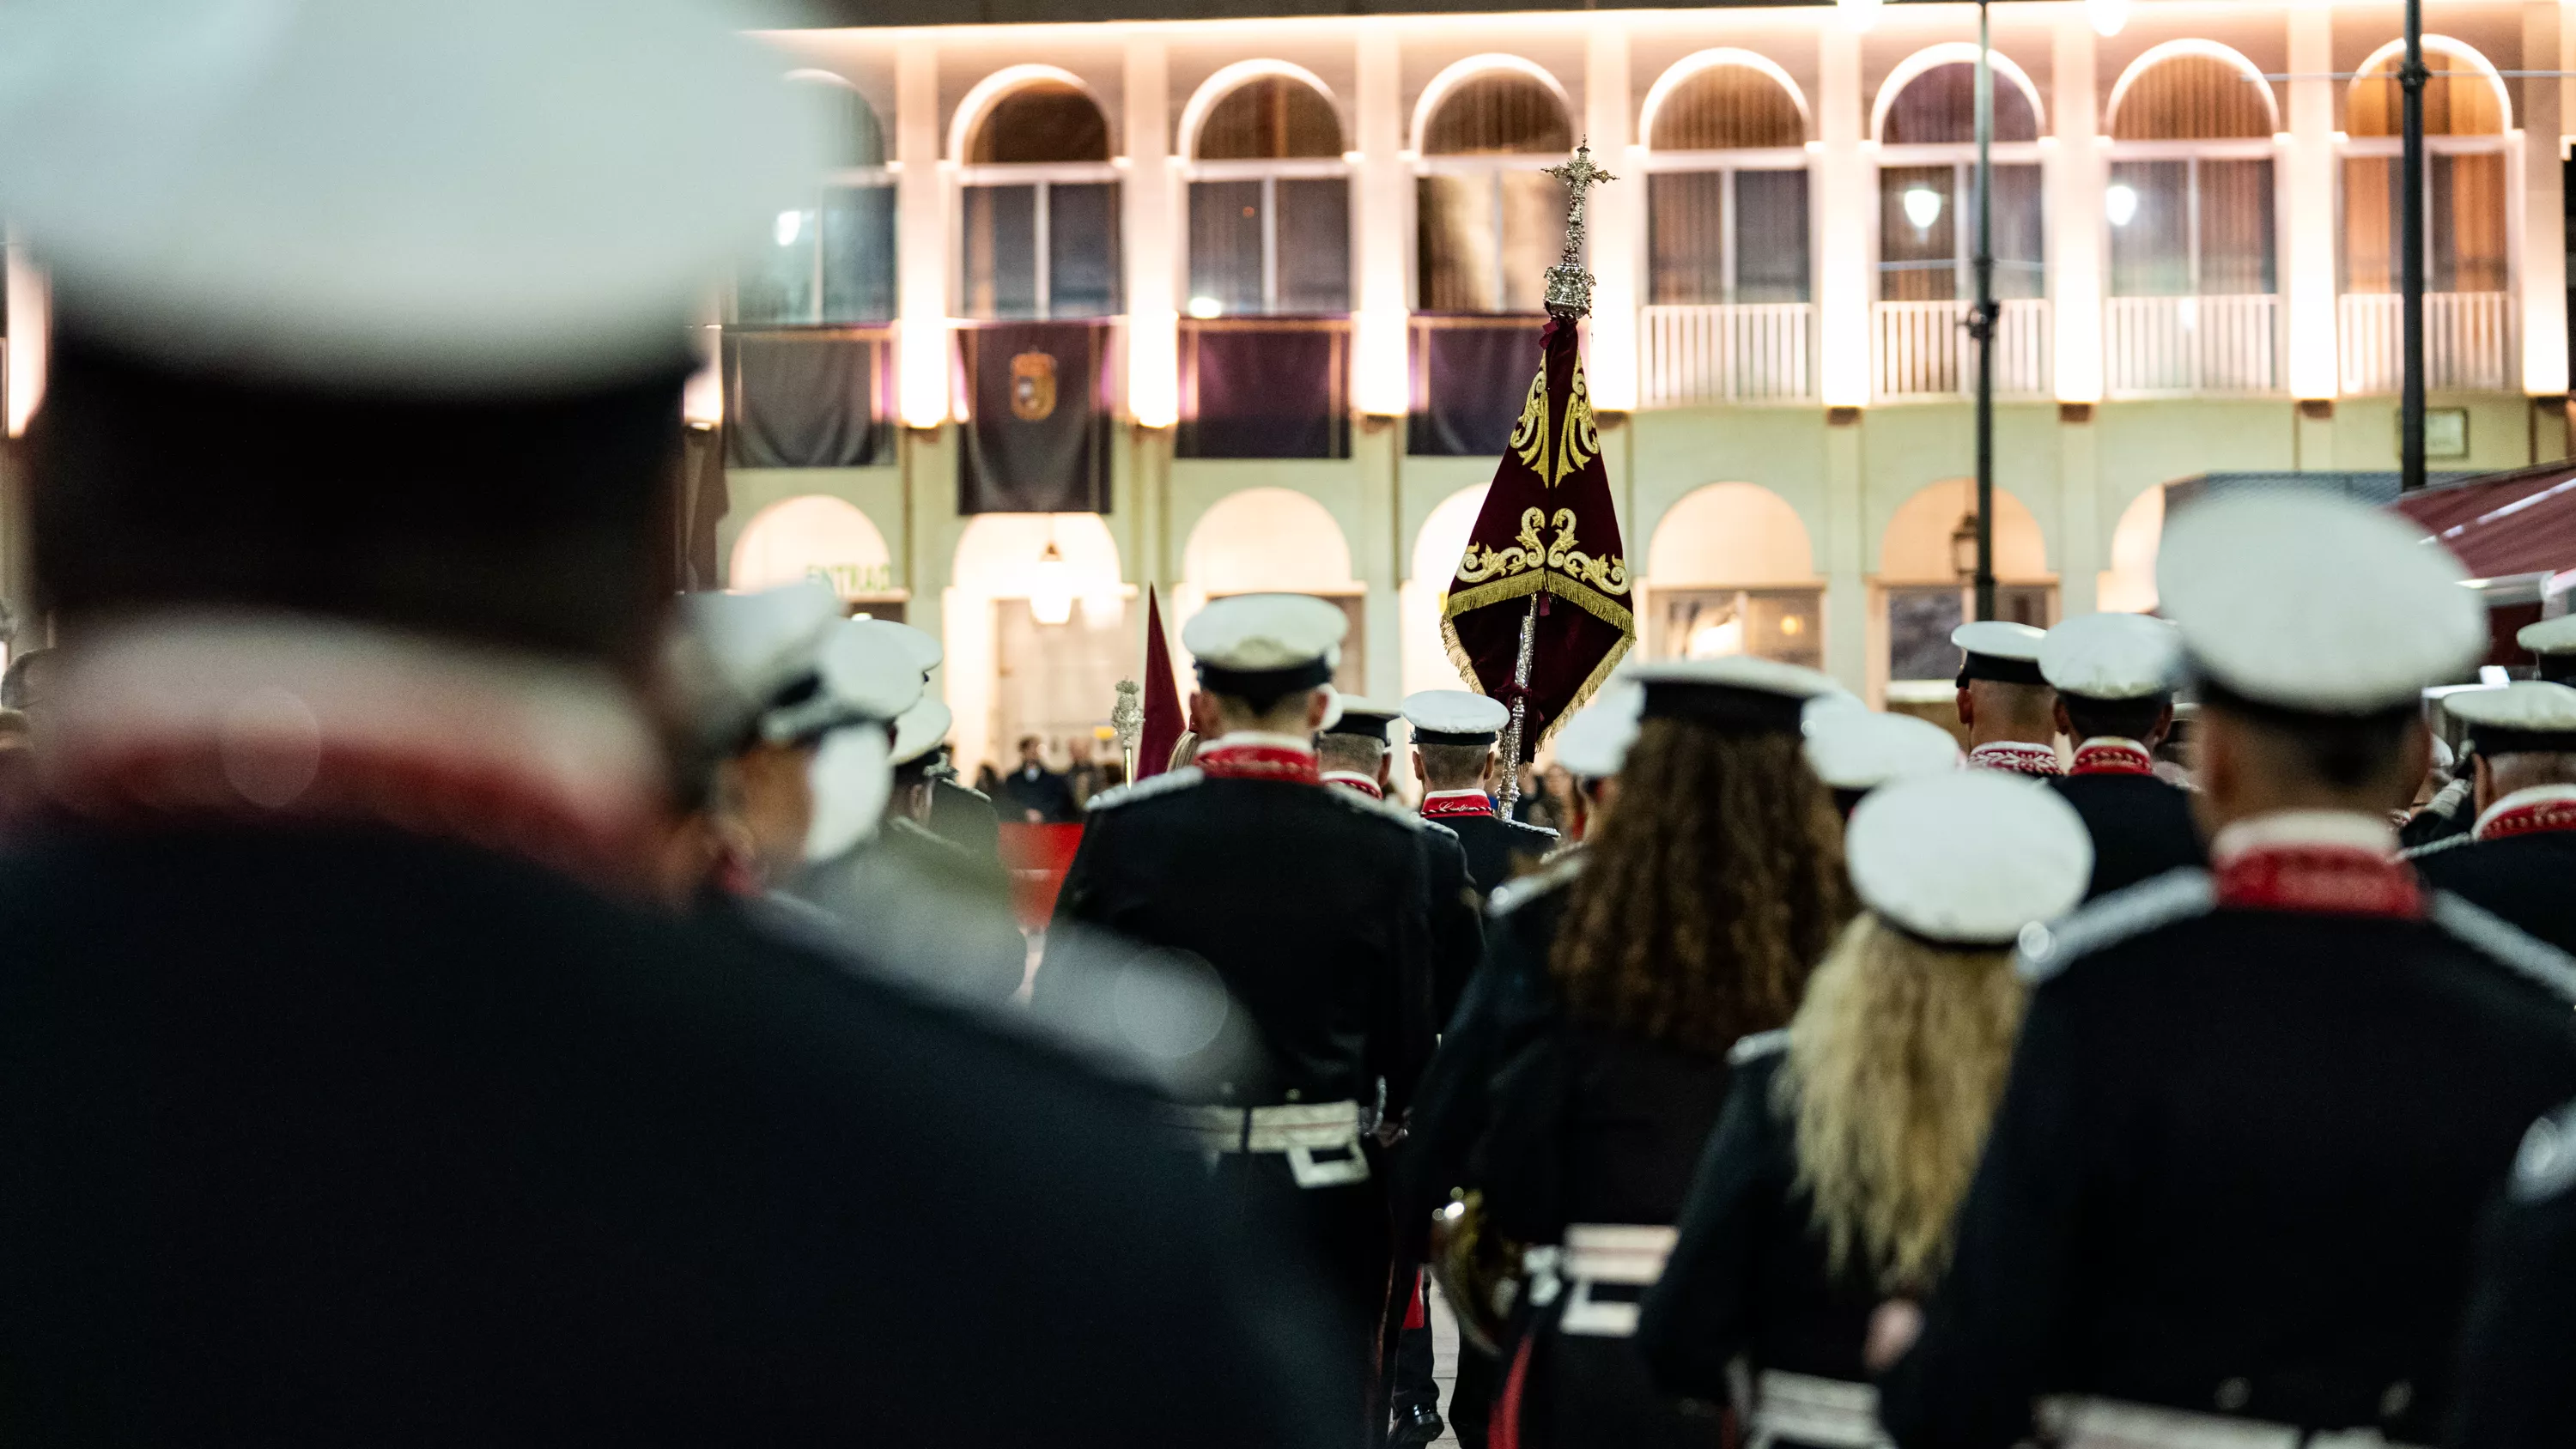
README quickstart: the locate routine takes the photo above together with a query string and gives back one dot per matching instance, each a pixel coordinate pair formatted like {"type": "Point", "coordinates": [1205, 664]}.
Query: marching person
{"type": "Point", "coordinates": [360, 1090]}
{"type": "Point", "coordinates": [2519, 860]}
{"type": "Point", "coordinates": [1856, 750]}
{"type": "Point", "coordinates": [2004, 700]}
{"type": "Point", "coordinates": [1454, 733]}
{"type": "Point", "coordinates": [1690, 923]}
{"type": "Point", "coordinates": [1352, 749]}
{"type": "Point", "coordinates": [1309, 906]}
{"type": "Point", "coordinates": [745, 663]}
{"type": "Point", "coordinates": [2515, 1390]}
{"type": "Point", "coordinates": [965, 818]}
{"type": "Point", "coordinates": [2254, 1111]}
{"type": "Point", "coordinates": [2114, 675]}
{"type": "Point", "coordinates": [1849, 1137]}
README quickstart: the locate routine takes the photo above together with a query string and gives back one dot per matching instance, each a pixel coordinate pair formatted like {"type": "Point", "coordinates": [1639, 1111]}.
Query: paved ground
{"type": "Point", "coordinates": [1444, 1356]}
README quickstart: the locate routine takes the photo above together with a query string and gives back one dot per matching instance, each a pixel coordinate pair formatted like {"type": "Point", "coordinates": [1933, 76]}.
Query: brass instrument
{"type": "Point", "coordinates": [1481, 1273]}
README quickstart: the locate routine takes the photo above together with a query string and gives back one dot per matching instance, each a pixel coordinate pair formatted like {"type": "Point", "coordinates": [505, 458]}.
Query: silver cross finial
{"type": "Point", "coordinates": [1569, 286]}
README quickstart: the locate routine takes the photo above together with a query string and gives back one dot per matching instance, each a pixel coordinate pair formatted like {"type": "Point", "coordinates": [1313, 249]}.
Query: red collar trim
{"type": "Point", "coordinates": [1457, 806]}
{"type": "Point", "coordinates": [2112, 757]}
{"type": "Point", "coordinates": [1355, 782]}
{"type": "Point", "coordinates": [2552, 808]}
{"type": "Point", "coordinates": [269, 722]}
{"type": "Point", "coordinates": [2020, 759]}
{"type": "Point", "coordinates": [1223, 761]}
{"type": "Point", "coordinates": [2328, 878]}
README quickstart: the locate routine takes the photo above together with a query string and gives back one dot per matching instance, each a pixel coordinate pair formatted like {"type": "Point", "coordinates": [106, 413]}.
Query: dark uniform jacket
{"type": "Point", "coordinates": [2518, 1355]}
{"type": "Point", "coordinates": [1309, 904]}
{"type": "Point", "coordinates": [2141, 827]}
{"type": "Point", "coordinates": [966, 819]}
{"type": "Point", "coordinates": [1457, 916]}
{"type": "Point", "coordinates": [2529, 880]}
{"type": "Point", "coordinates": [1493, 843]}
{"type": "Point", "coordinates": [1750, 1276]}
{"type": "Point", "coordinates": [921, 906]}
{"type": "Point", "coordinates": [329, 1135]}
{"type": "Point", "coordinates": [2236, 1167]}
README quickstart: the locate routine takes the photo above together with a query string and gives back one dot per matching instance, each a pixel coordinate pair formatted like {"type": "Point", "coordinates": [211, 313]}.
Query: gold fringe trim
{"type": "Point", "coordinates": [1606, 610]}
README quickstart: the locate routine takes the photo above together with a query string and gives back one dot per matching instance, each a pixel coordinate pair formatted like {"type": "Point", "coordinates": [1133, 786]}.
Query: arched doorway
{"type": "Point", "coordinates": [1037, 633]}
{"type": "Point", "coordinates": [1437, 547]}
{"type": "Point", "coordinates": [1275, 541]}
{"type": "Point", "coordinates": [1926, 559]}
{"type": "Point", "coordinates": [817, 535]}
{"type": "Point", "coordinates": [2128, 586]}
{"type": "Point", "coordinates": [1730, 571]}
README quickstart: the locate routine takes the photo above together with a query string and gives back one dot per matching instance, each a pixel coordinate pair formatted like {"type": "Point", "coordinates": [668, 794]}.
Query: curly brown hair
{"type": "Point", "coordinates": [1714, 888]}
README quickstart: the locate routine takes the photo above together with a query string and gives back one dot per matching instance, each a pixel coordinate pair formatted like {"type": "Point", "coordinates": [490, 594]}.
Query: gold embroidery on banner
{"type": "Point", "coordinates": [1608, 574]}
{"type": "Point", "coordinates": [1483, 563]}
{"type": "Point", "coordinates": [1529, 435]}
{"type": "Point", "coordinates": [1580, 438]}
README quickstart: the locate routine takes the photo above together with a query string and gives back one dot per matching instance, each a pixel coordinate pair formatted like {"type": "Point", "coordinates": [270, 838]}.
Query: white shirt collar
{"type": "Point", "coordinates": [2343, 829]}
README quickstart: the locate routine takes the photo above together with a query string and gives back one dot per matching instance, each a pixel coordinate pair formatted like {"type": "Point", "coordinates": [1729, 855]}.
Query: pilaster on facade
{"type": "Point", "coordinates": [2542, 265]}
{"type": "Point", "coordinates": [1843, 219]}
{"type": "Point", "coordinates": [2308, 212]}
{"type": "Point", "coordinates": [2075, 173]}
{"type": "Point", "coordinates": [1617, 215]}
{"type": "Point", "coordinates": [921, 237]}
{"type": "Point", "coordinates": [1381, 223]}
{"type": "Point", "coordinates": [1148, 193]}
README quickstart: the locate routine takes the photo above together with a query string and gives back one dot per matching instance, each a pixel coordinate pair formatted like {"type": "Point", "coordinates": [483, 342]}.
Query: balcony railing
{"type": "Point", "coordinates": [1754, 352]}
{"type": "Point", "coordinates": [1922, 349]}
{"type": "Point", "coordinates": [2468, 341]}
{"type": "Point", "coordinates": [2167, 345]}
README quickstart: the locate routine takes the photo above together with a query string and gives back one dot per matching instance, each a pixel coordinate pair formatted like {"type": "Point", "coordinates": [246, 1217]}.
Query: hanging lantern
{"type": "Point", "coordinates": [1051, 587]}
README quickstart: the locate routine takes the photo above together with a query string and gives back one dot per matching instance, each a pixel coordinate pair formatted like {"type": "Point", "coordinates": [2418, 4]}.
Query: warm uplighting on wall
{"type": "Point", "coordinates": [1154, 368]}
{"type": "Point", "coordinates": [2109, 17]}
{"type": "Point", "coordinates": [702, 396]}
{"type": "Point", "coordinates": [1858, 14]}
{"type": "Point", "coordinates": [1380, 382]}
{"type": "Point", "coordinates": [922, 373]}
{"type": "Point", "coordinates": [1051, 587]}
{"type": "Point", "coordinates": [29, 305]}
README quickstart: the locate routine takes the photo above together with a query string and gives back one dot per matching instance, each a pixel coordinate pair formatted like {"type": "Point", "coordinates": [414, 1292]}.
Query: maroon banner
{"type": "Point", "coordinates": [1547, 537]}
{"type": "Point", "coordinates": [1164, 721]}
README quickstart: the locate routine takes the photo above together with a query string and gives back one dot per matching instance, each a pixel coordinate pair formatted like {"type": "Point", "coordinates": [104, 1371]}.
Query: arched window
{"type": "Point", "coordinates": [832, 261]}
{"type": "Point", "coordinates": [1039, 203]}
{"type": "Point", "coordinates": [1490, 222]}
{"type": "Point", "coordinates": [1923, 574]}
{"type": "Point", "coordinates": [2190, 200]}
{"type": "Point", "coordinates": [1730, 571]}
{"type": "Point", "coordinates": [1726, 198]}
{"type": "Point", "coordinates": [1270, 200]}
{"type": "Point", "coordinates": [2465, 118]}
{"type": "Point", "coordinates": [1927, 131]}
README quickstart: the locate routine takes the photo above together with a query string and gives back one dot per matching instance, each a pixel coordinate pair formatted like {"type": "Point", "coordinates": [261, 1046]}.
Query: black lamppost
{"type": "Point", "coordinates": [1981, 322]}
{"type": "Point", "coordinates": [2410, 407]}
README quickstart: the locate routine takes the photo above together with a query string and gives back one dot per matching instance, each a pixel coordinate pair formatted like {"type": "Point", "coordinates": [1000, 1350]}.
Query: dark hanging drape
{"type": "Point", "coordinates": [1037, 418]}
{"type": "Point", "coordinates": [1468, 385]}
{"type": "Point", "coordinates": [805, 399]}
{"type": "Point", "coordinates": [1263, 390]}
{"type": "Point", "coordinates": [698, 503]}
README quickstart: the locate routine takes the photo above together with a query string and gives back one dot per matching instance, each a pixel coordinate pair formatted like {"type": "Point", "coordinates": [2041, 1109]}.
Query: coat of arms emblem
{"type": "Point", "coordinates": [1032, 387]}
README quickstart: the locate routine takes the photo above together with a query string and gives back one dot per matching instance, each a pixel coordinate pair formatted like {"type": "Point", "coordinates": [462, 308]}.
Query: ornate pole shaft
{"type": "Point", "coordinates": [1511, 791]}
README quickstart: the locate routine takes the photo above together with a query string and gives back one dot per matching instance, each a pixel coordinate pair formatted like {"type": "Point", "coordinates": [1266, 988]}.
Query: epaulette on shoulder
{"type": "Point", "coordinates": [1511, 895]}
{"type": "Point", "coordinates": [1547, 831]}
{"type": "Point", "coordinates": [2524, 955]}
{"type": "Point", "coordinates": [1162, 784]}
{"type": "Point", "coordinates": [2436, 847]}
{"type": "Point", "coordinates": [2546, 1165]}
{"type": "Point", "coordinates": [1757, 1046]}
{"type": "Point", "coordinates": [1357, 803]}
{"type": "Point", "coordinates": [2157, 901]}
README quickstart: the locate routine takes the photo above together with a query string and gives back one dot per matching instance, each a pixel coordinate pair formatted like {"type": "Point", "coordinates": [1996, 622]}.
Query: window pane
{"type": "Point", "coordinates": [2236, 228]}
{"type": "Point", "coordinates": [2020, 230]}
{"type": "Point", "coordinates": [1001, 272]}
{"type": "Point", "coordinates": [2466, 218]}
{"type": "Point", "coordinates": [1686, 236]}
{"type": "Point", "coordinates": [1941, 105]}
{"type": "Point", "coordinates": [1314, 245]}
{"type": "Point", "coordinates": [776, 283]}
{"type": "Point", "coordinates": [2149, 206]}
{"type": "Point", "coordinates": [1041, 121]}
{"type": "Point", "coordinates": [1919, 624]}
{"type": "Point", "coordinates": [1770, 236]}
{"type": "Point", "coordinates": [1725, 106]}
{"type": "Point", "coordinates": [1458, 264]}
{"type": "Point", "coordinates": [858, 254]}
{"type": "Point", "coordinates": [1917, 239]}
{"type": "Point", "coordinates": [1082, 249]}
{"type": "Point", "coordinates": [2370, 224]}
{"type": "Point", "coordinates": [1225, 247]}
{"type": "Point", "coordinates": [1533, 236]}
{"type": "Point", "coordinates": [1499, 111]}
{"type": "Point", "coordinates": [1269, 117]}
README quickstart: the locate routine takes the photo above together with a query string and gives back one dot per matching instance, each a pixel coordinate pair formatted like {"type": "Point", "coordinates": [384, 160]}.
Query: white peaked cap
{"type": "Point", "coordinates": [920, 730]}
{"type": "Point", "coordinates": [1858, 749]}
{"type": "Point", "coordinates": [2303, 600]}
{"type": "Point", "coordinates": [851, 779]}
{"type": "Point", "coordinates": [2549, 636]}
{"type": "Point", "coordinates": [867, 673]}
{"type": "Point", "coordinates": [916, 643]}
{"type": "Point", "coordinates": [1969, 857]}
{"type": "Point", "coordinates": [2528, 706]}
{"type": "Point", "coordinates": [1999, 639]}
{"type": "Point", "coordinates": [469, 194]}
{"type": "Point", "coordinates": [2112, 656]}
{"type": "Point", "coordinates": [759, 644]}
{"type": "Point", "coordinates": [1594, 744]}
{"type": "Point", "coordinates": [1454, 712]}
{"type": "Point", "coordinates": [1263, 633]}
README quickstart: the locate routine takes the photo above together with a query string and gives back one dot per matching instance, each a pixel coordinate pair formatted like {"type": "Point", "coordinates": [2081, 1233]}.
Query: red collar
{"type": "Point", "coordinates": [2529, 812]}
{"type": "Point", "coordinates": [1355, 782]}
{"type": "Point", "coordinates": [2108, 756]}
{"type": "Point", "coordinates": [271, 722]}
{"type": "Point", "coordinates": [2019, 759]}
{"type": "Point", "coordinates": [1257, 757]}
{"type": "Point", "coordinates": [2317, 861]}
{"type": "Point", "coordinates": [1457, 804]}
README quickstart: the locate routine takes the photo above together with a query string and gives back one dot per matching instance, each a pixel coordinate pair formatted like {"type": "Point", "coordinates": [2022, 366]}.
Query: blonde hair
{"type": "Point", "coordinates": [1895, 1063]}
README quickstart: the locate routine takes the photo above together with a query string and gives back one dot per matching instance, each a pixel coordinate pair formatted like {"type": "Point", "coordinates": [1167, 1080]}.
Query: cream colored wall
{"type": "Point", "coordinates": [876, 492]}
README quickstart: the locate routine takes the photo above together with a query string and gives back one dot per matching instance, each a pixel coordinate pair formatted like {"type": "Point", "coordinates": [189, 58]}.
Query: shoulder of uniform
{"type": "Point", "coordinates": [2508, 945]}
{"type": "Point", "coordinates": [1511, 895]}
{"type": "Point", "coordinates": [1758, 1046]}
{"type": "Point", "coordinates": [1358, 804]}
{"type": "Point", "coordinates": [1163, 784]}
{"type": "Point", "coordinates": [2546, 1165]}
{"type": "Point", "coordinates": [966, 790]}
{"type": "Point", "coordinates": [2155, 902]}
{"type": "Point", "coordinates": [905, 829]}
{"type": "Point", "coordinates": [2436, 847]}
{"type": "Point", "coordinates": [1532, 829]}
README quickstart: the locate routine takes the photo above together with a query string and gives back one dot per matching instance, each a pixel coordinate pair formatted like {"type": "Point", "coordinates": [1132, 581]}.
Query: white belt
{"type": "Point", "coordinates": [1296, 1130]}
{"type": "Point", "coordinates": [1626, 1254]}
{"type": "Point", "coordinates": [2085, 1423]}
{"type": "Point", "coordinates": [1804, 1409]}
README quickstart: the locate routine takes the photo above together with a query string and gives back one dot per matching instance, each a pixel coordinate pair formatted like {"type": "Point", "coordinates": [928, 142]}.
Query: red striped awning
{"type": "Point", "coordinates": [2523, 522]}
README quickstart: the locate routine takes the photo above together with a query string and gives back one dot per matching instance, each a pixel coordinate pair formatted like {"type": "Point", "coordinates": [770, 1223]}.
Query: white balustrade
{"type": "Point", "coordinates": [2468, 341]}
{"type": "Point", "coordinates": [1922, 349]}
{"type": "Point", "coordinates": [1754, 352]}
{"type": "Point", "coordinates": [2172, 345]}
